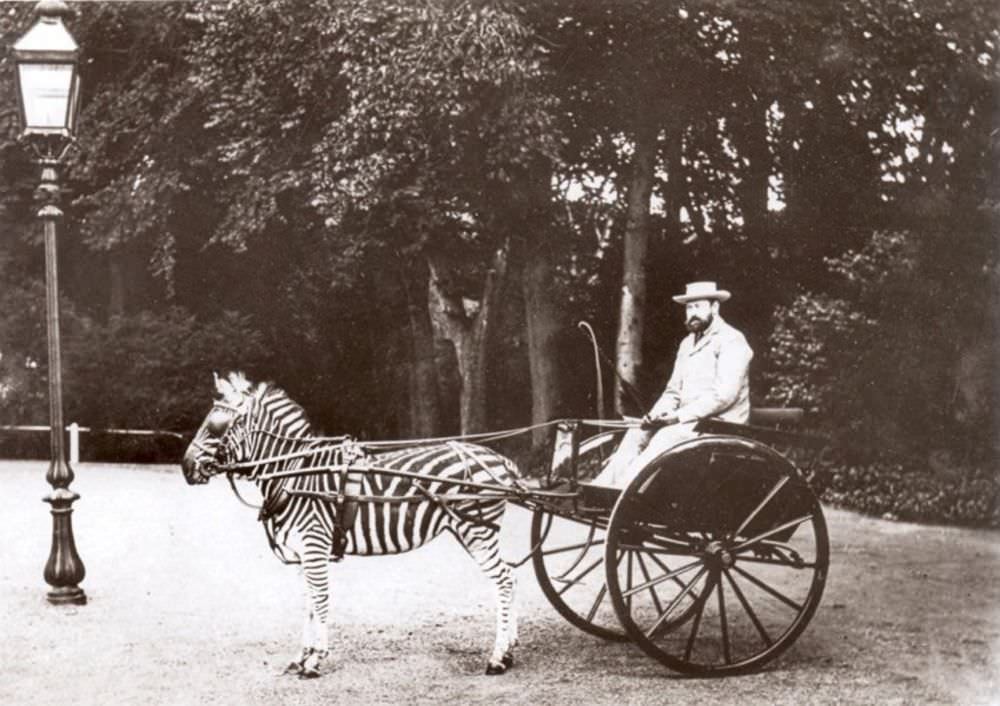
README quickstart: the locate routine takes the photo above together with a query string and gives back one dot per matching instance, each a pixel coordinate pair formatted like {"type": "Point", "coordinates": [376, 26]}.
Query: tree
{"type": "Point", "coordinates": [420, 115]}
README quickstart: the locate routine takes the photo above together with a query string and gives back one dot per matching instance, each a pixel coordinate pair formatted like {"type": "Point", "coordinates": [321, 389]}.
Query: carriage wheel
{"type": "Point", "coordinates": [732, 554]}
{"type": "Point", "coordinates": [569, 555]}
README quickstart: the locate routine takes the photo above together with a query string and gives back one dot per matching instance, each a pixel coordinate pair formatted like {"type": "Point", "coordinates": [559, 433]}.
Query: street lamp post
{"type": "Point", "coordinates": [48, 91]}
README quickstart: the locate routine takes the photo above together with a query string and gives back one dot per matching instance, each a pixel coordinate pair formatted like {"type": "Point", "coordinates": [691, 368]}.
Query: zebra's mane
{"type": "Point", "coordinates": [235, 389]}
{"type": "Point", "coordinates": [270, 389]}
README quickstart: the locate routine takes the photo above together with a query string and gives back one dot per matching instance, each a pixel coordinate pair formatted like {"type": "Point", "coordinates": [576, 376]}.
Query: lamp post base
{"type": "Point", "coordinates": [67, 595]}
{"type": "Point", "coordinates": [64, 570]}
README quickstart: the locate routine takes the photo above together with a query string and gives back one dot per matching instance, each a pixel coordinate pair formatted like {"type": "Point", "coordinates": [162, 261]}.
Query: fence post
{"type": "Point", "coordinates": [74, 443]}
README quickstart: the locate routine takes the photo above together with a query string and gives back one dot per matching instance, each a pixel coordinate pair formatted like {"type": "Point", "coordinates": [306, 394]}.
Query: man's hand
{"type": "Point", "coordinates": [657, 421]}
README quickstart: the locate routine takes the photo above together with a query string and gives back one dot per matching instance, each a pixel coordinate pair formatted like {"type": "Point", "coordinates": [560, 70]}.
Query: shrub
{"type": "Point", "coordinates": [143, 371]}
{"type": "Point", "coordinates": [907, 489]}
{"type": "Point", "coordinates": [162, 367]}
{"type": "Point", "coordinates": [895, 364]}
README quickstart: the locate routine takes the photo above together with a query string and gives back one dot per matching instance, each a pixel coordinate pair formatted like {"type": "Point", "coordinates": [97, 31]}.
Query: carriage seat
{"type": "Point", "coordinates": [769, 425]}
{"type": "Point", "coordinates": [776, 416]}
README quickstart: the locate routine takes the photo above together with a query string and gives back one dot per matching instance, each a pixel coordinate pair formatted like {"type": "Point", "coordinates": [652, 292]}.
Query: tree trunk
{"type": "Point", "coordinates": [676, 189]}
{"type": "Point", "coordinates": [754, 187]}
{"type": "Point", "coordinates": [628, 350]}
{"type": "Point", "coordinates": [542, 318]}
{"type": "Point", "coordinates": [424, 407]}
{"type": "Point", "coordinates": [469, 333]}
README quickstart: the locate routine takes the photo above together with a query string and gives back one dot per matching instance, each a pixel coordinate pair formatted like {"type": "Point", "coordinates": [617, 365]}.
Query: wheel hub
{"type": "Point", "coordinates": [717, 553]}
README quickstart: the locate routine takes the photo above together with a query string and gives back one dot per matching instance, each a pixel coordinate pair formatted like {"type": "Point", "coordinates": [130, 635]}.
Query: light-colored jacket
{"type": "Point", "coordinates": [711, 378]}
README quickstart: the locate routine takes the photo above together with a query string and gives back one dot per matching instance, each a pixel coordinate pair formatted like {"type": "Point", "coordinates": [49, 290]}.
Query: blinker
{"type": "Point", "coordinates": [218, 421]}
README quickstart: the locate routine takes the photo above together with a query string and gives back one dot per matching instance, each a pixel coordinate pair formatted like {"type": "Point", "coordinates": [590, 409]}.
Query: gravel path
{"type": "Point", "coordinates": [187, 606]}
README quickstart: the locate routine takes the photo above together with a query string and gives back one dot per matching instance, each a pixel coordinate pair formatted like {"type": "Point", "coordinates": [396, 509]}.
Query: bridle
{"type": "Point", "coordinates": [235, 412]}
{"type": "Point", "coordinates": [220, 465]}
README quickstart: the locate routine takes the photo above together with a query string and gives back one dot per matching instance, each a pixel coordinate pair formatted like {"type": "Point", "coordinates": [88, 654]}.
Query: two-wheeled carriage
{"type": "Point", "coordinates": [712, 560]}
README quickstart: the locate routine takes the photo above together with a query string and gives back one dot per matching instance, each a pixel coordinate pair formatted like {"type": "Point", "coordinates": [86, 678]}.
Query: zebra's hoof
{"type": "Point", "coordinates": [508, 661]}
{"type": "Point", "coordinates": [494, 669]}
{"type": "Point", "coordinates": [309, 673]}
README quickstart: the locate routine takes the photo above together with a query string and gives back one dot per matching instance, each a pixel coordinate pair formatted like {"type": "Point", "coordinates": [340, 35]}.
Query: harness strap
{"type": "Point", "coordinates": [236, 492]}
{"type": "Point", "coordinates": [200, 446]}
{"type": "Point", "coordinates": [481, 436]}
{"type": "Point", "coordinates": [315, 451]}
{"type": "Point", "coordinates": [275, 547]}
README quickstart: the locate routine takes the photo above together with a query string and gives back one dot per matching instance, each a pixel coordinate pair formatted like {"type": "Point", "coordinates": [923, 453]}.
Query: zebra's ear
{"type": "Point", "coordinates": [222, 386]}
{"type": "Point", "coordinates": [239, 382]}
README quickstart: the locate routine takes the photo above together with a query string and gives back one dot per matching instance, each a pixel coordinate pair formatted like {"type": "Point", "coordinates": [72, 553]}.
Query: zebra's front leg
{"type": "Point", "coordinates": [315, 630]}
{"type": "Point", "coordinates": [483, 545]}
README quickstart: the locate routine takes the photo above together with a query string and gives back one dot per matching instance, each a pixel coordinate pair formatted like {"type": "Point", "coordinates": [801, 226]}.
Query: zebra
{"type": "Point", "coordinates": [257, 431]}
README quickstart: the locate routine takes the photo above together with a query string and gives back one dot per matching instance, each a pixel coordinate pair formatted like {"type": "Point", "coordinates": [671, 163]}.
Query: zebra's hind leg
{"type": "Point", "coordinates": [483, 544]}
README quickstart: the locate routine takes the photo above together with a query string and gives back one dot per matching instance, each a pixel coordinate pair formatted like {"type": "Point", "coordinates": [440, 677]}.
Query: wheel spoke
{"type": "Point", "coordinates": [597, 602]}
{"type": "Point", "coordinates": [701, 603]}
{"type": "Point", "coordinates": [773, 591]}
{"type": "Point", "coordinates": [660, 579]}
{"type": "Point", "coordinates": [774, 530]}
{"type": "Point", "coordinates": [657, 535]}
{"type": "Point", "coordinates": [723, 623]}
{"type": "Point", "coordinates": [774, 491]}
{"type": "Point", "coordinates": [628, 580]}
{"type": "Point", "coordinates": [658, 550]}
{"type": "Point", "coordinates": [573, 547]}
{"type": "Point", "coordinates": [749, 611]}
{"type": "Point", "coordinates": [583, 553]}
{"type": "Point", "coordinates": [578, 596]}
{"type": "Point", "coordinates": [573, 582]}
{"type": "Point", "coordinates": [676, 602]}
{"type": "Point", "coordinates": [776, 562]}
{"type": "Point", "coordinates": [697, 619]}
{"type": "Point", "coordinates": [652, 591]}
{"type": "Point", "coordinates": [664, 567]}
{"type": "Point", "coordinates": [777, 553]}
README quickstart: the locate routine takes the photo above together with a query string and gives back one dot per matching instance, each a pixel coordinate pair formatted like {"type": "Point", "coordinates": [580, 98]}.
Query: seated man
{"type": "Point", "coordinates": [710, 379]}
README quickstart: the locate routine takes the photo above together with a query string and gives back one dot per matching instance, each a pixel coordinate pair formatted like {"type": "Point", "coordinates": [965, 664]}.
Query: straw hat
{"type": "Point", "coordinates": [702, 290]}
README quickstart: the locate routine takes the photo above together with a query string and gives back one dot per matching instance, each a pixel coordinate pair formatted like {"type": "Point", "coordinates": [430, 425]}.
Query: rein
{"type": "Point", "coordinates": [230, 469]}
{"type": "Point", "coordinates": [489, 435]}
{"type": "Point", "coordinates": [236, 492]}
{"type": "Point", "coordinates": [404, 443]}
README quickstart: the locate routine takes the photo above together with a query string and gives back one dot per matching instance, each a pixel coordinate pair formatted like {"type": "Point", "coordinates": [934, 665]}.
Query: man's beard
{"type": "Point", "coordinates": [696, 324]}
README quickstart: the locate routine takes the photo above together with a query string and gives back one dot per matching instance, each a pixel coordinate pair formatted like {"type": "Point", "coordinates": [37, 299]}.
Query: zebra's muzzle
{"type": "Point", "coordinates": [195, 476]}
{"type": "Point", "coordinates": [194, 472]}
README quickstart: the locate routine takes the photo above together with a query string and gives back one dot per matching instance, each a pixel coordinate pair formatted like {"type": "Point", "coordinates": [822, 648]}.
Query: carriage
{"type": "Point", "coordinates": [712, 560]}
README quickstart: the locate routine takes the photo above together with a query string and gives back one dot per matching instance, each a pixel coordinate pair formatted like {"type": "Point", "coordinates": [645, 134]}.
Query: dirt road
{"type": "Point", "coordinates": [187, 606]}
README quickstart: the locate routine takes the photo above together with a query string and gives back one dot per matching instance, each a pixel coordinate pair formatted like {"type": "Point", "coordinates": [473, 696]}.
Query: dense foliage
{"type": "Point", "coordinates": [399, 211]}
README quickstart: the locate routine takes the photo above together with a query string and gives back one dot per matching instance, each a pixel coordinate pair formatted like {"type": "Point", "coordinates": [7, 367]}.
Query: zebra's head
{"type": "Point", "coordinates": [217, 439]}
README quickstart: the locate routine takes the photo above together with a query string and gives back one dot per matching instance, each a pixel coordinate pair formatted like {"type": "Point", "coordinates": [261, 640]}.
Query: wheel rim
{"type": "Point", "coordinates": [735, 554]}
{"type": "Point", "coordinates": [569, 557]}
{"type": "Point", "coordinates": [569, 566]}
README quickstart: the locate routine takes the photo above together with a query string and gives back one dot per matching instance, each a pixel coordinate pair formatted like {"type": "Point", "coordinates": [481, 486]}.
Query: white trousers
{"type": "Point", "coordinates": [637, 448]}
